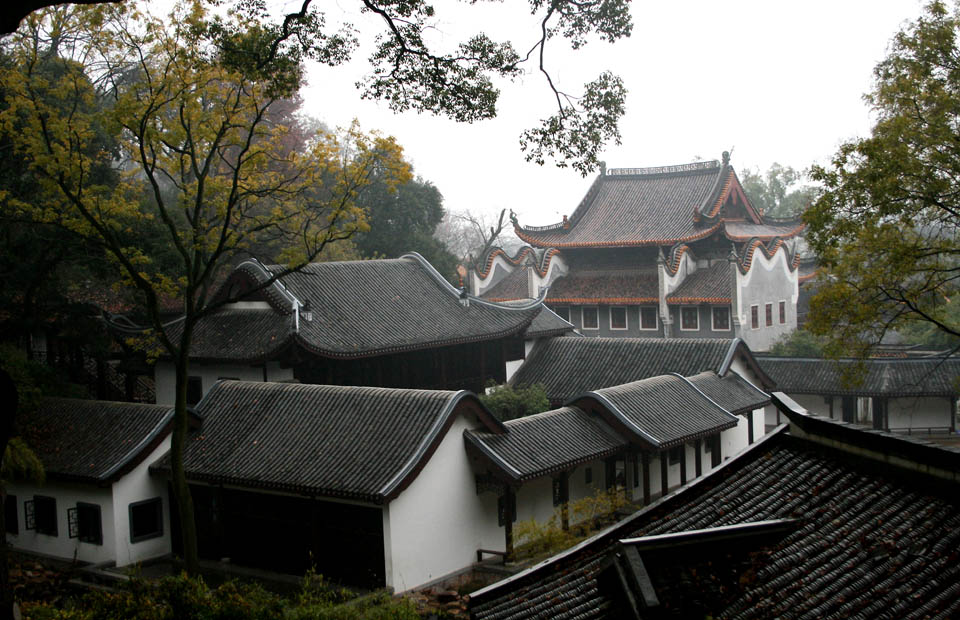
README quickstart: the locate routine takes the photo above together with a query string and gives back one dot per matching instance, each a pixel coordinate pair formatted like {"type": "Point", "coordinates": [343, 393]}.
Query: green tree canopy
{"type": "Point", "coordinates": [509, 402]}
{"type": "Point", "coordinates": [780, 192]}
{"type": "Point", "coordinates": [886, 226]}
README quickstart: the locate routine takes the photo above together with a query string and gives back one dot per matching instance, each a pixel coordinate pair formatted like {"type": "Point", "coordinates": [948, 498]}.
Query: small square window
{"type": "Point", "coordinates": [84, 523]}
{"type": "Point", "coordinates": [783, 312]}
{"type": "Point", "coordinates": [618, 317]}
{"type": "Point", "coordinates": [648, 317]}
{"type": "Point", "coordinates": [591, 318]}
{"type": "Point", "coordinates": [40, 515]}
{"type": "Point", "coordinates": [689, 318]}
{"type": "Point", "coordinates": [146, 519]}
{"type": "Point", "coordinates": [674, 455]}
{"type": "Point", "coordinates": [768, 311]}
{"type": "Point", "coordinates": [10, 515]}
{"type": "Point", "coordinates": [721, 318]}
{"type": "Point", "coordinates": [755, 317]}
{"type": "Point", "coordinates": [563, 312]}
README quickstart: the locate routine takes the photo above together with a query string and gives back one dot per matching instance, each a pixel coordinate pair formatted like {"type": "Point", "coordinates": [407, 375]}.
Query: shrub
{"type": "Point", "coordinates": [508, 402]}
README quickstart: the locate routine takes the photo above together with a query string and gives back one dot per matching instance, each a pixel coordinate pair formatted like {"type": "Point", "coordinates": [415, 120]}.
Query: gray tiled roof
{"type": "Point", "coordinates": [868, 545]}
{"type": "Point", "coordinates": [567, 367]}
{"type": "Point", "coordinates": [547, 442]}
{"type": "Point", "coordinates": [547, 324]}
{"type": "Point", "coordinates": [362, 443]}
{"type": "Point", "coordinates": [512, 286]}
{"type": "Point", "coordinates": [92, 440]}
{"type": "Point", "coordinates": [360, 309]}
{"type": "Point", "coordinates": [711, 285]}
{"type": "Point", "coordinates": [608, 287]}
{"type": "Point", "coordinates": [662, 411]}
{"type": "Point", "coordinates": [635, 209]}
{"type": "Point", "coordinates": [731, 392]}
{"type": "Point", "coordinates": [882, 377]}
{"type": "Point", "coordinates": [744, 231]}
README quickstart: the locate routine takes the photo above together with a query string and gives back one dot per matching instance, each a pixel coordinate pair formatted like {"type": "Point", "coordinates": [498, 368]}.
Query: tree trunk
{"type": "Point", "coordinates": [181, 491]}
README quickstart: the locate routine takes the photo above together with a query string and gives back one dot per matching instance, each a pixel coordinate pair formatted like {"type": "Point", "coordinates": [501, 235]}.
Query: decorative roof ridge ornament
{"type": "Point", "coordinates": [696, 166]}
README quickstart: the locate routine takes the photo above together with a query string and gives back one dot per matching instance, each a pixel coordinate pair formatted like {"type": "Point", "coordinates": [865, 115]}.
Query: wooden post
{"type": "Point", "coordinates": [645, 457]}
{"type": "Point", "coordinates": [698, 460]}
{"type": "Point", "coordinates": [683, 464]}
{"type": "Point", "coordinates": [953, 415]}
{"type": "Point", "coordinates": [750, 427]}
{"type": "Point", "coordinates": [664, 467]}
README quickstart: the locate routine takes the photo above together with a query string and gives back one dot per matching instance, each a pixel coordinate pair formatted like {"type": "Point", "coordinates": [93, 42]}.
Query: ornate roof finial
{"type": "Point", "coordinates": [566, 222]}
{"type": "Point", "coordinates": [732, 257]}
{"type": "Point", "coordinates": [513, 219]}
{"type": "Point", "coordinates": [603, 168]}
{"type": "Point", "coordinates": [726, 158]}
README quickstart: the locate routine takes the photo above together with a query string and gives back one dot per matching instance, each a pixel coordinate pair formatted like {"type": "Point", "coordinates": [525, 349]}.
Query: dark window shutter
{"type": "Point", "coordinates": [72, 523]}
{"type": "Point", "coordinates": [29, 516]}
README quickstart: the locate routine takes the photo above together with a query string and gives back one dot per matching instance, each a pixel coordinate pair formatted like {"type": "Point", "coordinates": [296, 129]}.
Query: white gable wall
{"type": "Point", "coordinates": [61, 545]}
{"type": "Point", "coordinates": [139, 485]}
{"type": "Point", "coordinates": [435, 526]}
{"type": "Point", "coordinates": [166, 378]}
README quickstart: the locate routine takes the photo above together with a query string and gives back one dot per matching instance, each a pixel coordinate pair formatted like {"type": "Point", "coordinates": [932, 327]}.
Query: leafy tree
{"type": "Point", "coordinates": [409, 72]}
{"type": "Point", "coordinates": [886, 226]}
{"type": "Point", "coordinates": [798, 343]}
{"type": "Point", "coordinates": [509, 402]}
{"type": "Point", "coordinates": [779, 193]}
{"type": "Point", "coordinates": [404, 221]}
{"type": "Point", "coordinates": [187, 122]}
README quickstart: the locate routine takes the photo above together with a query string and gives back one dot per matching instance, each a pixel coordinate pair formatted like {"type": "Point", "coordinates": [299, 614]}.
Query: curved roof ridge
{"type": "Point", "coordinates": [716, 195]}
{"type": "Point", "coordinates": [676, 253]}
{"type": "Point", "coordinates": [702, 393]}
{"type": "Point", "coordinates": [745, 260]}
{"type": "Point", "coordinates": [496, 251]}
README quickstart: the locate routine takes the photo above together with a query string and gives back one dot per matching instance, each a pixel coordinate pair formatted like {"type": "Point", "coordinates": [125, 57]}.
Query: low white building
{"type": "Point", "coordinates": [99, 504]}
{"type": "Point", "coordinates": [913, 395]}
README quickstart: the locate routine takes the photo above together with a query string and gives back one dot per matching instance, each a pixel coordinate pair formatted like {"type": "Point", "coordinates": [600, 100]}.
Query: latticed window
{"type": "Point", "coordinates": [84, 523]}
{"type": "Point", "coordinates": [721, 318]}
{"type": "Point", "coordinates": [648, 317]}
{"type": "Point", "coordinates": [40, 515]}
{"type": "Point", "coordinates": [618, 317]}
{"type": "Point", "coordinates": [769, 314]}
{"type": "Point", "coordinates": [146, 519]}
{"type": "Point", "coordinates": [591, 317]}
{"type": "Point", "coordinates": [690, 318]}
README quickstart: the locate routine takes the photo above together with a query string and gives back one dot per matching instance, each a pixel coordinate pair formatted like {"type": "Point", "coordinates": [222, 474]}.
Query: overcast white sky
{"type": "Point", "coordinates": [770, 80]}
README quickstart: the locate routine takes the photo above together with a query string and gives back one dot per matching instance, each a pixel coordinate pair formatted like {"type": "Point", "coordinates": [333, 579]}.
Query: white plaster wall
{"type": "Point", "coordinates": [165, 376]}
{"type": "Point", "coordinates": [437, 524]}
{"type": "Point", "coordinates": [759, 420]}
{"type": "Point", "coordinates": [734, 439]}
{"type": "Point", "coordinates": [535, 500]}
{"type": "Point", "coordinates": [512, 367]}
{"type": "Point", "coordinates": [672, 282]}
{"type": "Point", "coordinates": [137, 486]}
{"type": "Point", "coordinates": [768, 280]}
{"type": "Point", "coordinates": [919, 412]}
{"type": "Point", "coordinates": [61, 545]}
{"type": "Point", "coordinates": [578, 485]}
{"type": "Point", "coordinates": [816, 404]}
{"type": "Point", "coordinates": [654, 461]}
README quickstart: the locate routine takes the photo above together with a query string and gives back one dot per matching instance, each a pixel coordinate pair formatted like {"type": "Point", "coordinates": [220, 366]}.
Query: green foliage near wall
{"type": "Point", "coordinates": [509, 402]}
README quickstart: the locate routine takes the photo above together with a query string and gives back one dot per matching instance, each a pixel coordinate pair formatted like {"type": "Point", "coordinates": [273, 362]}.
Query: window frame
{"type": "Point", "coordinates": [656, 319]}
{"type": "Point", "coordinates": [134, 537]}
{"type": "Point", "coordinates": [30, 514]}
{"type": "Point", "coordinates": [696, 310]}
{"type": "Point", "coordinates": [768, 314]}
{"type": "Point", "coordinates": [674, 455]}
{"type": "Point", "coordinates": [583, 318]}
{"type": "Point", "coordinates": [782, 308]}
{"type": "Point", "coordinates": [79, 513]}
{"type": "Point", "coordinates": [755, 316]}
{"type": "Point", "coordinates": [626, 318]}
{"type": "Point", "coordinates": [713, 319]}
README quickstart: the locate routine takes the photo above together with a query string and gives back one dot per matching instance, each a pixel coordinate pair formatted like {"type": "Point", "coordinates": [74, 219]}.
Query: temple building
{"type": "Point", "coordinates": [669, 252]}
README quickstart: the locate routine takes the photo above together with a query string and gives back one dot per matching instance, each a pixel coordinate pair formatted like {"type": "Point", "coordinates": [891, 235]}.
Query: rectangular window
{"type": "Point", "coordinates": [563, 312]}
{"type": "Point", "coordinates": [755, 317]}
{"type": "Point", "coordinates": [40, 515]}
{"type": "Point", "coordinates": [83, 523]}
{"type": "Point", "coordinates": [721, 318]}
{"type": "Point", "coordinates": [674, 455]}
{"type": "Point", "coordinates": [591, 317]}
{"type": "Point", "coordinates": [146, 519]}
{"type": "Point", "coordinates": [783, 312]}
{"type": "Point", "coordinates": [768, 311]}
{"type": "Point", "coordinates": [689, 318]}
{"type": "Point", "coordinates": [648, 317]}
{"type": "Point", "coordinates": [194, 390]}
{"type": "Point", "coordinates": [588, 475]}
{"type": "Point", "coordinates": [618, 317]}
{"type": "Point", "coordinates": [10, 515]}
